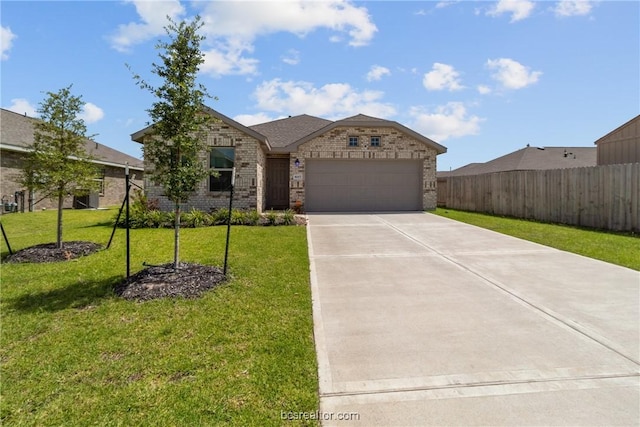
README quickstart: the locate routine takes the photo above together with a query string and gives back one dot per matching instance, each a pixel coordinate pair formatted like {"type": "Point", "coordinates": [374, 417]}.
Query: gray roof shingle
{"type": "Point", "coordinates": [360, 118]}
{"type": "Point", "coordinates": [309, 127]}
{"type": "Point", "coordinates": [533, 158]}
{"type": "Point", "coordinates": [285, 135]}
{"type": "Point", "coordinates": [283, 132]}
{"type": "Point", "coordinates": [16, 130]}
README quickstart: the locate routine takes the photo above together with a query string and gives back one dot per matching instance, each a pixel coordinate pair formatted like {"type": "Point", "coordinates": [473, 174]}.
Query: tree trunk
{"type": "Point", "coordinates": [176, 228]}
{"type": "Point", "coordinates": [59, 234]}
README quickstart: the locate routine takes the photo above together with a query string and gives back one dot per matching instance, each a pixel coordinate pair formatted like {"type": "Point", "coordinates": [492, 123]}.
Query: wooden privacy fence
{"type": "Point", "coordinates": [606, 197]}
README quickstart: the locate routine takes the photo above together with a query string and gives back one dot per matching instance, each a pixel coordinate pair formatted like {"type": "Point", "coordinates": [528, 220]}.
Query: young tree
{"type": "Point", "coordinates": [177, 136]}
{"type": "Point", "coordinates": [58, 163]}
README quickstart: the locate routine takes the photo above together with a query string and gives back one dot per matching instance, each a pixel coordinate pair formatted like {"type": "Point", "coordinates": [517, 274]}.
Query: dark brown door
{"type": "Point", "coordinates": [278, 183]}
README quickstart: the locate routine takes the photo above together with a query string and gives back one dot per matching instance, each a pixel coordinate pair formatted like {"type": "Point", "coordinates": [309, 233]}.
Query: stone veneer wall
{"type": "Point", "coordinates": [393, 145]}
{"type": "Point", "coordinates": [114, 189]}
{"type": "Point", "coordinates": [249, 184]}
{"type": "Point", "coordinates": [12, 165]}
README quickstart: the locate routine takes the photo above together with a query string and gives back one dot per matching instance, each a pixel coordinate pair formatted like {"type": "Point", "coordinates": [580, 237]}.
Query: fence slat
{"type": "Point", "coordinates": [605, 196]}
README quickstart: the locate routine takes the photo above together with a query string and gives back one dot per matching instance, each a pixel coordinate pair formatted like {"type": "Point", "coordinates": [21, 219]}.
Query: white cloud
{"type": "Point", "coordinates": [125, 122]}
{"type": "Point", "coordinates": [519, 9]}
{"type": "Point", "coordinates": [228, 59]}
{"type": "Point", "coordinates": [512, 74]}
{"type": "Point", "coordinates": [292, 57]}
{"type": "Point", "coordinates": [483, 89]}
{"type": "Point", "coordinates": [442, 77]}
{"type": "Point", "coordinates": [231, 27]}
{"type": "Point", "coordinates": [6, 41]}
{"type": "Point", "coordinates": [446, 3]}
{"type": "Point", "coordinates": [247, 20]}
{"type": "Point", "coordinates": [254, 119]}
{"type": "Point", "coordinates": [153, 15]}
{"type": "Point", "coordinates": [331, 101]}
{"type": "Point", "coordinates": [91, 113]}
{"type": "Point", "coordinates": [22, 106]}
{"type": "Point", "coordinates": [573, 8]}
{"type": "Point", "coordinates": [377, 72]}
{"type": "Point", "coordinates": [447, 121]}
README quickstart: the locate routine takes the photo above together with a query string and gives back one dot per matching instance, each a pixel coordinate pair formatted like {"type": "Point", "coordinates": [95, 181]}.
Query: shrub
{"type": "Point", "coordinates": [195, 218]}
{"type": "Point", "coordinates": [237, 217]}
{"type": "Point", "coordinates": [271, 217]}
{"type": "Point", "coordinates": [252, 217]}
{"type": "Point", "coordinates": [288, 217]}
{"type": "Point", "coordinates": [143, 212]}
{"type": "Point", "coordinates": [156, 219]}
{"type": "Point", "coordinates": [220, 216]}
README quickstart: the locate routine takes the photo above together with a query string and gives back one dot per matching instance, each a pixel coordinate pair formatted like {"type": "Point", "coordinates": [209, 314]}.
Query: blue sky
{"type": "Point", "coordinates": [483, 78]}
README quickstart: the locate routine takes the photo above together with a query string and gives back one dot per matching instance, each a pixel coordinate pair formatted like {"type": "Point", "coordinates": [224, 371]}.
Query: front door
{"type": "Point", "coordinates": [278, 183]}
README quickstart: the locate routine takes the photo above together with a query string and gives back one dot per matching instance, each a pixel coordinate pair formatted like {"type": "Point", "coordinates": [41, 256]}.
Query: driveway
{"type": "Point", "coordinates": [421, 320]}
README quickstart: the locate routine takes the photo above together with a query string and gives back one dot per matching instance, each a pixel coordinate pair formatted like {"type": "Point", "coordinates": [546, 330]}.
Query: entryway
{"type": "Point", "coordinates": [277, 183]}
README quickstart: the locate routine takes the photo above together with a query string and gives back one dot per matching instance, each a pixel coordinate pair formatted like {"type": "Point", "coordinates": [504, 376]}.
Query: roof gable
{"type": "Point", "coordinates": [139, 135]}
{"type": "Point", "coordinates": [632, 125]}
{"type": "Point", "coordinates": [364, 121]}
{"type": "Point", "coordinates": [285, 135]}
{"type": "Point", "coordinates": [362, 118]}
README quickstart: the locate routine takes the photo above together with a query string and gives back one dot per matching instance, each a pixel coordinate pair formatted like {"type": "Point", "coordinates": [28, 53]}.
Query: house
{"type": "Point", "coordinates": [360, 163]}
{"type": "Point", "coordinates": [621, 145]}
{"type": "Point", "coordinates": [528, 158]}
{"type": "Point", "coordinates": [533, 158]}
{"type": "Point", "coordinates": [16, 135]}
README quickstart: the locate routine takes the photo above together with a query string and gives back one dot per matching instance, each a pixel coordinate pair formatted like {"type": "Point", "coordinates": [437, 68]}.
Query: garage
{"type": "Point", "coordinates": [363, 185]}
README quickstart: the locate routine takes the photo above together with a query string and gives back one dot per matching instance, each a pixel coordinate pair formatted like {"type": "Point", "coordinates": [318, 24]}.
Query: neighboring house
{"type": "Point", "coordinates": [533, 158]}
{"type": "Point", "coordinates": [16, 135]}
{"type": "Point", "coordinates": [360, 163]}
{"type": "Point", "coordinates": [621, 145]}
{"type": "Point", "coordinates": [528, 158]}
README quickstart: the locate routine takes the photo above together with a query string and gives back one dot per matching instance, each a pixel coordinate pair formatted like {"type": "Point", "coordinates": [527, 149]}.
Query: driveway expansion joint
{"type": "Point", "coordinates": [546, 312]}
{"type": "Point", "coordinates": [421, 320]}
{"type": "Point", "coordinates": [549, 381]}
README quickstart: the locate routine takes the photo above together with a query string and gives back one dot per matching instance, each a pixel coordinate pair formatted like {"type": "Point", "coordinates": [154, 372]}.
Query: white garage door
{"type": "Point", "coordinates": [363, 185]}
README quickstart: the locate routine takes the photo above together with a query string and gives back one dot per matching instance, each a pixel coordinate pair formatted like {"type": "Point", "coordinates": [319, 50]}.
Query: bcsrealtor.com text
{"type": "Point", "coordinates": [318, 415]}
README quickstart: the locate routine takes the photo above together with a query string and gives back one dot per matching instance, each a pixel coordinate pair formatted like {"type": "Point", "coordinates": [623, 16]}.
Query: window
{"type": "Point", "coordinates": [353, 141]}
{"type": "Point", "coordinates": [100, 180]}
{"type": "Point", "coordinates": [375, 141]}
{"type": "Point", "coordinates": [221, 160]}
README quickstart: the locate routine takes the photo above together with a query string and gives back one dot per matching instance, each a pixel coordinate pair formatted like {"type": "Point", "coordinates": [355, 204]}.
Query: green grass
{"type": "Point", "coordinates": [617, 248]}
{"type": "Point", "coordinates": [72, 353]}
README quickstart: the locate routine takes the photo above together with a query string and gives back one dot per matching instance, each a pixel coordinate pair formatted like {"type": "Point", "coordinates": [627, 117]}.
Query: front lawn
{"type": "Point", "coordinates": [616, 248]}
{"type": "Point", "coordinates": [72, 353]}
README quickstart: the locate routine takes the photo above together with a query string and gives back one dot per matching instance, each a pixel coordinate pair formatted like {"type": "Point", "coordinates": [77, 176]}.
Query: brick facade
{"type": "Point", "coordinates": [298, 138]}
{"type": "Point", "coordinates": [12, 164]}
{"type": "Point", "coordinates": [393, 145]}
{"type": "Point", "coordinates": [250, 162]}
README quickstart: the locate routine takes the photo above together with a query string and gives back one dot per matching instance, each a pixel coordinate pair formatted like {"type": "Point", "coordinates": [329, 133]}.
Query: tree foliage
{"type": "Point", "coordinates": [177, 137]}
{"type": "Point", "coordinates": [57, 162]}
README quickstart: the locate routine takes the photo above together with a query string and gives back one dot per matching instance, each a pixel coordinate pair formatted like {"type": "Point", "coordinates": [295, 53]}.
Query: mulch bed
{"type": "Point", "coordinates": [48, 252]}
{"type": "Point", "coordinates": [163, 281]}
{"type": "Point", "coordinates": [158, 281]}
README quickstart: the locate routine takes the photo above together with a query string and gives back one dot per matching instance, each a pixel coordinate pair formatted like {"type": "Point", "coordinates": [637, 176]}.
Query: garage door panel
{"type": "Point", "coordinates": [363, 185]}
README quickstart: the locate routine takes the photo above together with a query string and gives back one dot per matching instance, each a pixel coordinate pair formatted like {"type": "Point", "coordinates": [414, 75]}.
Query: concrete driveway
{"type": "Point", "coordinates": [421, 320]}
